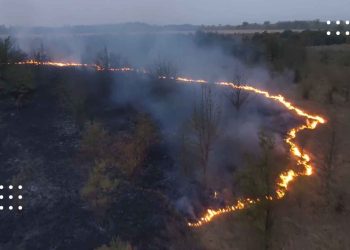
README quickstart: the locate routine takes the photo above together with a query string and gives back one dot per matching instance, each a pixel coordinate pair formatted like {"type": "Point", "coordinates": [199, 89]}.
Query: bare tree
{"type": "Point", "coordinates": [185, 151]}
{"type": "Point", "coordinates": [163, 73]}
{"type": "Point", "coordinates": [103, 59]}
{"type": "Point", "coordinates": [331, 156]}
{"type": "Point", "coordinates": [205, 123]}
{"type": "Point", "coordinates": [267, 145]}
{"type": "Point", "coordinates": [163, 68]}
{"type": "Point", "coordinates": [307, 88]}
{"type": "Point", "coordinates": [346, 93]}
{"type": "Point", "coordinates": [332, 90]}
{"type": "Point", "coordinates": [40, 55]}
{"type": "Point", "coordinates": [238, 97]}
{"type": "Point", "coordinates": [9, 53]}
{"type": "Point", "coordinates": [257, 179]}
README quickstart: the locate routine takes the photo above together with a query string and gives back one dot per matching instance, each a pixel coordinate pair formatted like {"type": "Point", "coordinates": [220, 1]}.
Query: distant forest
{"type": "Point", "coordinates": [143, 27]}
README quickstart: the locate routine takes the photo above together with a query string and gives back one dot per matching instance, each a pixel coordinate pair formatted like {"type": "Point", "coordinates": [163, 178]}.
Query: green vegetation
{"type": "Point", "coordinates": [116, 244]}
{"type": "Point", "coordinates": [100, 186]}
{"type": "Point", "coordinates": [110, 160]}
{"type": "Point", "coordinates": [117, 172]}
{"type": "Point", "coordinates": [15, 81]}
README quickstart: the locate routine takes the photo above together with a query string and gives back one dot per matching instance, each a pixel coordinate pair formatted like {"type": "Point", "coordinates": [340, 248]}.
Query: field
{"type": "Point", "coordinates": [121, 151]}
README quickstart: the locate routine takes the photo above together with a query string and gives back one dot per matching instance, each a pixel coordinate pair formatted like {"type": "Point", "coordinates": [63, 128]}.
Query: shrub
{"type": "Point", "coordinates": [100, 186]}
{"type": "Point", "coordinates": [94, 142]}
{"type": "Point", "coordinates": [116, 244]}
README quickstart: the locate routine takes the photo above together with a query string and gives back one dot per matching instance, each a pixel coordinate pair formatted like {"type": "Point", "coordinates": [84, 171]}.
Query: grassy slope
{"type": "Point", "coordinates": [307, 218]}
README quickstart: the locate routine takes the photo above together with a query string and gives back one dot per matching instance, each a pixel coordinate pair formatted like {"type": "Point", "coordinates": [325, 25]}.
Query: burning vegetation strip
{"type": "Point", "coordinates": [302, 159]}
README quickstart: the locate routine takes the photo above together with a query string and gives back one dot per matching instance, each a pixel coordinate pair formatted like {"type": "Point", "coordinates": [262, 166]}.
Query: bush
{"type": "Point", "coordinates": [18, 83]}
{"type": "Point", "coordinates": [94, 142]}
{"type": "Point", "coordinates": [132, 150]}
{"type": "Point", "coordinates": [73, 97]}
{"type": "Point", "coordinates": [116, 244]}
{"type": "Point", "coordinates": [101, 184]}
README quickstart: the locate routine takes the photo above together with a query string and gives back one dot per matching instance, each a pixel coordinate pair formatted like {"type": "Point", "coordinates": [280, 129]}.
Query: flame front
{"type": "Point", "coordinates": [302, 159]}
{"type": "Point", "coordinates": [72, 64]}
{"type": "Point", "coordinates": [285, 178]}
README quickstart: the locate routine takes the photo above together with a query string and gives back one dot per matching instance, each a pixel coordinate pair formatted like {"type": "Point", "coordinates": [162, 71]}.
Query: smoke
{"type": "Point", "coordinates": [173, 106]}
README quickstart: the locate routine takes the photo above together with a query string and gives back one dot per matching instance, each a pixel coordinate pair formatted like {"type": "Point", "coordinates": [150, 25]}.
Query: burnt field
{"type": "Point", "coordinates": [126, 149]}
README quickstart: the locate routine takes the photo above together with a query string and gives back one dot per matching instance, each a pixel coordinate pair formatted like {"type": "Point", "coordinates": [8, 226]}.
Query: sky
{"type": "Point", "coordinates": [75, 12]}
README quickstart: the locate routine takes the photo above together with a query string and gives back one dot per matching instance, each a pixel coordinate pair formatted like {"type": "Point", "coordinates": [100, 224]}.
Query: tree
{"type": "Point", "coordinates": [185, 158]}
{"type": "Point", "coordinates": [163, 74]}
{"type": "Point", "coordinates": [163, 68]}
{"type": "Point", "coordinates": [73, 97]}
{"type": "Point", "coordinates": [237, 96]}
{"type": "Point", "coordinates": [106, 60]}
{"type": "Point", "coordinates": [18, 83]}
{"type": "Point", "coordinates": [94, 143]}
{"type": "Point", "coordinates": [267, 145]}
{"type": "Point", "coordinates": [40, 55]}
{"type": "Point", "coordinates": [9, 53]}
{"type": "Point", "coordinates": [133, 149]}
{"type": "Point", "coordinates": [307, 87]}
{"type": "Point", "coordinates": [331, 157]}
{"type": "Point", "coordinates": [332, 89]}
{"type": "Point", "coordinates": [100, 186]}
{"type": "Point", "coordinates": [205, 124]}
{"type": "Point", "coordinates": [102, 59]}
{"type": "Point", "coordinates": [257, 180]}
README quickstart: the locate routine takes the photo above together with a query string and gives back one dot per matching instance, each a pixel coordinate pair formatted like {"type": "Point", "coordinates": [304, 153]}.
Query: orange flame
{"type": "Point", "coordinates": [285, 178]}
{"type": "Point", "coordinates": [73, 64]}
{"type": "Point", "coordinates": [302, 159]}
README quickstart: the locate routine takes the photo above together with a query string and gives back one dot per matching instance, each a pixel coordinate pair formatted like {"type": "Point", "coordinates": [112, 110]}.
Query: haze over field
{"type": "Point", "coordinates": [66, 12]}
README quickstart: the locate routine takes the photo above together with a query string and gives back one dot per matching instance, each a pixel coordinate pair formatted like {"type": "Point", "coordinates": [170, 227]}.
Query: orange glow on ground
{"type": "Point", "coordinates": [285, 178]}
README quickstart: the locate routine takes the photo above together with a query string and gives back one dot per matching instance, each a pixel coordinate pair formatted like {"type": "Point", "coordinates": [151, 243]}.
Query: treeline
{"type": "Point", "coordinates": [286, 50]}
{"type": "Point", "coordinates": [144, 27]}
{"type": "Point", "coordinates": [282, 25]}
{"type": "Point", "coordinates": [106, 28]}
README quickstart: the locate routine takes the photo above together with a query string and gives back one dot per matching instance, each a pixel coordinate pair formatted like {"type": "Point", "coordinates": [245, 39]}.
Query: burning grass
{"type": "Point", "coordinates": [302, 159]}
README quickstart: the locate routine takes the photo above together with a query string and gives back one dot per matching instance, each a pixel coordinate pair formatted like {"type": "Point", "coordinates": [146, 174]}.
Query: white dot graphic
{"type": "Point", "coordinates": [329, 22]}
{"type": "Point", "coordinates": [1, 187]}
{"type": "Point", "coordinates": [337, 22]}
{"type": "Point", "coordinates": [20, 187]}
{"type": "Point", "coordinates": [347, 22]}
{"type": "Point", "coordinates": [20, 197]}
{"type": "Point", "coordinates": [1, 197]}
{"type": "Point", "coordinates": [19, 207]}
{"type": "Point", "coordinates": [338, 33]}
{"type": "Point", "coordinates": [10, 197]}
{"type": "Point", "coordinates": [1, 208]}
{"type": "Point", "coordinates": [347, 33]}
{"type": "Point", "coordinates": [10, 187]}
{"type": "Point", "coordinates": [329, 33]}
{"type": "Point", "coordinates": [10, 207]}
